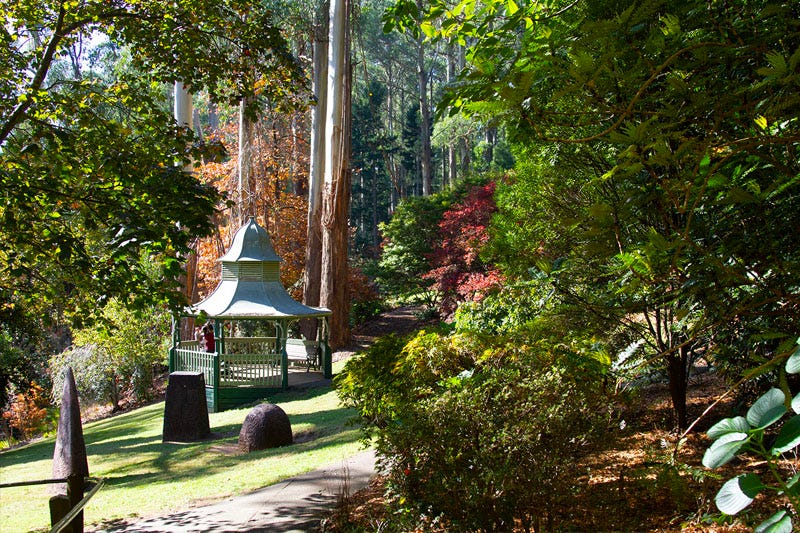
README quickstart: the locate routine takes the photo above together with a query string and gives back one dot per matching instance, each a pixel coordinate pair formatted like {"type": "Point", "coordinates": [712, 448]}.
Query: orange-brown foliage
{"type": "Point", "coordinates": [28, 411]}
{"type": "Point", "coordinates": [278, 163]}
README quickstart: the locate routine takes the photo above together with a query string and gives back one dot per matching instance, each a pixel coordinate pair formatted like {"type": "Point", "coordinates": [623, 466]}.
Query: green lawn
{"type": "Point", "coordinates": [145, 477]}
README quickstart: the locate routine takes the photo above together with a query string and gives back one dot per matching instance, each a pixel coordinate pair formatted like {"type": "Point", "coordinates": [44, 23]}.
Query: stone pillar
{"type": "Point", "coordinates": [185, 408]}
{"type": "Point", "coordinates": [69, 456]}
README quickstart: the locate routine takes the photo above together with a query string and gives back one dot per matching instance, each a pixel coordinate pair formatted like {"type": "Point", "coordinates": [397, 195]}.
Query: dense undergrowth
{"type": "Point", "coordinates": [643, 478]}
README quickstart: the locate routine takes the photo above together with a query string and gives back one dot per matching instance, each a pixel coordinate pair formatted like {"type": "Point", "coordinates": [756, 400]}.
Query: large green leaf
{"type": "Point", "coordinates": [724, 449]}
{"type": "Point", "coordinates": [793, 363]}
{"type": "Point", "coordinates": [767, 410]}
{"type": "Point", "coordinates": [780, 522]}
{"type": "Point", "coordinates": [737, 493]}
{"type": "Point", "coordinates": [789, 437]}
{"type": "Point", "coordinates": [729, 425]}
{"type": "Point", "coordinates": [796, 403]}
{"type": "Point", "coordinates": [792, 486]}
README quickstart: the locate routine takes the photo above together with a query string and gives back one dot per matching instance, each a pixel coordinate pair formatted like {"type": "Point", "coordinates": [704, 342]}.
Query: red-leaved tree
{"type": "Point", "coordinates": [458, 273]}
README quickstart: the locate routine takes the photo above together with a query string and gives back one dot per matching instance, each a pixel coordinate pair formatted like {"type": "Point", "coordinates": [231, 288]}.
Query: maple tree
{"type": "Point", "coordinates": [459, 274]}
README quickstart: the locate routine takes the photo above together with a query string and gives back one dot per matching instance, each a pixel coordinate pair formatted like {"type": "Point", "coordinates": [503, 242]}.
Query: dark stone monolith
{"type": "Point", "coordinates": [185, 408]}
{"type": "Point", "coordinates": [266, 426]}
{"type": "Point", "coordinates": [69, 456]}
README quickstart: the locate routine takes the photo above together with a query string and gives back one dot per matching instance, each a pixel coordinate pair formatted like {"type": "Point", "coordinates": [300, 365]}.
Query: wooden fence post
{"type": "Point", "coordinates": [75, 493]}
{"type": "Point", "coordinates": [59, 507]}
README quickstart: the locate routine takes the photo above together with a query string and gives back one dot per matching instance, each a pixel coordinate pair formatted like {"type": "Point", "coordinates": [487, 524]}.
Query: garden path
{"type": "Point", "coordinates": [293, 505]}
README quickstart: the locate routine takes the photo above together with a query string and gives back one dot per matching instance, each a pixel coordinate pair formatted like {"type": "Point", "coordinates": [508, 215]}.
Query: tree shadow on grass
{"type": "Point", "coordinates": [176, 463]}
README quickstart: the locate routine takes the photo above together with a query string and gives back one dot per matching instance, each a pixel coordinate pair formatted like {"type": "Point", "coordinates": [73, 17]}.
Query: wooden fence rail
{"type": "Point", "coordinates": [63, 513]}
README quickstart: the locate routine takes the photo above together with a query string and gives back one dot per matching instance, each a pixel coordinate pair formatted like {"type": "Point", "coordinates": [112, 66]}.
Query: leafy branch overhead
{"type": "Point", "coordinates": [91, 181]}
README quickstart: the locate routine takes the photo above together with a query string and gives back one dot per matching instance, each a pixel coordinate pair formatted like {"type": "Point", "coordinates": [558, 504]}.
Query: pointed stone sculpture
{"type": "Point", "coordinates": [69, 457]}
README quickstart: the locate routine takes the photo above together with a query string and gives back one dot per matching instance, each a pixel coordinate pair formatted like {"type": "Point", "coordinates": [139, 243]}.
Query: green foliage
{"type": "Point", "coordinates": [92, 163]}
{"type": "Point", "coordinates": [512, 308]}
{"type": "Point", "coordinates": [752, 435]}
{"type": "Point", "coordinates": [11, 361]}
{"type": "Point", "coordinates": [117, 356]}
{"type": "Point", "coordinates": [480, 430]}
{"type": "Point", "coordinates": [408, 240]}
{"type": "Point", "coordinates": [24, 351]}
{"type": "Point", "coordinates": [658, 164]}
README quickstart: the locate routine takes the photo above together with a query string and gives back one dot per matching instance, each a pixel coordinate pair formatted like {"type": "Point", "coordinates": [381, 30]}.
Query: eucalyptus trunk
{"type": "Point", "coordinates": [183, 112]}
{"type": "Point", "coordinates": [336, 188]}
{"type": "Point", "coordinates": [312, 276]}
{"type": "Point", "coordinates": [426, 155]}
{"type": "Point", "coordinates": [244, 207]}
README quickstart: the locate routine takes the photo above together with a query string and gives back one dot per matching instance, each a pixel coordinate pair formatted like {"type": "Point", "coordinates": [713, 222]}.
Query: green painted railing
{"type": "Point", "coordinates": [248, 366]}
{"type": "Point", "coordinates": [192, 359]}
{"type": "Point", "coordinates": [250, 369]}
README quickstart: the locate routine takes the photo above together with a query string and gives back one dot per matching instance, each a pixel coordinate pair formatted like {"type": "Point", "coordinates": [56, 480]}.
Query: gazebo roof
{"type": "Point", "coordinates": [251, 285]}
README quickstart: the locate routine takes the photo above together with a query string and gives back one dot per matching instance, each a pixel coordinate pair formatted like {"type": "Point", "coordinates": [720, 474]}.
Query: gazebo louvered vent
{"type": "Point", "coordinates": [242, 369]}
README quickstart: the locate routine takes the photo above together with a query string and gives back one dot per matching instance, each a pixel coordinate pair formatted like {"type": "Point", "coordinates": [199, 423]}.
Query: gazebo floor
{"type": "Point", "coordinates": [299, 378]}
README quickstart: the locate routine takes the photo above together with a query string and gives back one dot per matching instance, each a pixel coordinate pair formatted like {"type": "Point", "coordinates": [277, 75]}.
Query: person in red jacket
{"type": "Point", "coordinates": [208, 338]}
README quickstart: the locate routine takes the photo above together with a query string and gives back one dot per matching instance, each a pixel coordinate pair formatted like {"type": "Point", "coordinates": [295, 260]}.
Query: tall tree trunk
{"type": "Point", "coordinates": [390, 159]}
{"type": "Point", "coordinates": [426, 155]}
{"type": "Point", "coordinates": [491, 140]}
{"type": "Point", "coordinates": [182, 111]}
{"type": "Point", "coordinates": [213, 117]}
{"type": "Point", "coordinates": [374, 253]}
{"type": "Point", "coordinates": [336, 188]}
{"type": "Point", "coordinates": [677, 369]}
{"type": "Point", "coordinates": [244, 207]}
{"type": "Point", "coordinates": [298, 183]}
{"type": "Point", "coordinates": [312, 276]}
{"type": "Point", "coordinates": [452, 160]}
{"type": "Point", "coordinates": [183, 106]}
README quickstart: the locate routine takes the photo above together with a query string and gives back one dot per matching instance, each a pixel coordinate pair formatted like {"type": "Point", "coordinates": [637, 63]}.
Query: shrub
{"type": "Point", "coordinates": [364, 297]}
{"type": "Point", "coordinates": [512, 308]}
{"type": "Point", "coordinates": [457, 271]}
{"type": "Point", "coordinates": [481, 431]}
{"type": "Point", "coordinates": [408, 239]}
{"type": "Point", "coordinates": [28, 412]}
{"type": "Point", "coordinates": [117, 357]}
{"type": "Point", "coordinates": [94, 374]}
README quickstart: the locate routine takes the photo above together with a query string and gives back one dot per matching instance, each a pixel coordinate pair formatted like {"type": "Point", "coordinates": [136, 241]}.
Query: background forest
{"type": "Point", "coordinates": [589, 195]}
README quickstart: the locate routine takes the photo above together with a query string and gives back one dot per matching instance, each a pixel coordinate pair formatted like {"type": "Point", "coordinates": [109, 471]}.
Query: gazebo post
{"type": "Point", "coordinates": [176, 337]}
{"type": "Point", "coordinates": [281, 333]}
{"type": "Point", "coordinates": [325, 350]}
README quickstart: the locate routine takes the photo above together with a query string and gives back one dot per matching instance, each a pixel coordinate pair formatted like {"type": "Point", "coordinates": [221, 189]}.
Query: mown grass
{"type": "Point", "coordinates": [145, 477]}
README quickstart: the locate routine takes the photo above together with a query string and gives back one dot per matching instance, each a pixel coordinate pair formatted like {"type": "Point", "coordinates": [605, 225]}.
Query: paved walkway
{"type": "Point", "coordinates": [294, 505]}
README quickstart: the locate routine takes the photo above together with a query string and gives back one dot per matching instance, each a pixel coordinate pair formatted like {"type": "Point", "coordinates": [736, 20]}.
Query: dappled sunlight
{"type": "Point", "coordinates": [127, 451]}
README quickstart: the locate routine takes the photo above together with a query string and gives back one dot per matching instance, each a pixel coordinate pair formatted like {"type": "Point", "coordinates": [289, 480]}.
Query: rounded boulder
{"type": "Point", "coordinates": [265, 426]}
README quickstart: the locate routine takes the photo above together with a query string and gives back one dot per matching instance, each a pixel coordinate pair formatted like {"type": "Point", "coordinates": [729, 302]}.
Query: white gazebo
{"type": "Point", "coordinates": [244, 368]}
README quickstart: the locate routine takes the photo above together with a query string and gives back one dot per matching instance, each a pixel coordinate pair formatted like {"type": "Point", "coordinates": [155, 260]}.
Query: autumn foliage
{"type": "Point", "coordinates": [28, 411]}
{"type": "Point", "coordinates": [458, 273]}
{"type": "Point", "coordinates": [271, 198]}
